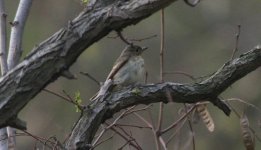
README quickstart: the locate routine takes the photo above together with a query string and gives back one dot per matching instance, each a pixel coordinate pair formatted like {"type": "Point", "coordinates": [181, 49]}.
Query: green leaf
{"type": "Point", "coordinates": [84, 1]}
{"type": "Point", "coordinates": [78, 100]}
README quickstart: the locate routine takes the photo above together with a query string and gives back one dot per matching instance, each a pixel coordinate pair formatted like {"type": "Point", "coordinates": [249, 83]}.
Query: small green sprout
{"type": "Point", "coordinates": [78, 100]}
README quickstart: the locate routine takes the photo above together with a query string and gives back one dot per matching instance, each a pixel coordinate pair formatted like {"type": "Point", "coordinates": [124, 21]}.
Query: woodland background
{"type": "Point", "coordinates": [198, 41]}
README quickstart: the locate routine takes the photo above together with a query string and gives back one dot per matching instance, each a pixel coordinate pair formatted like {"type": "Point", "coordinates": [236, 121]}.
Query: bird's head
{"type": "Point", "coordinates": [135, 50]}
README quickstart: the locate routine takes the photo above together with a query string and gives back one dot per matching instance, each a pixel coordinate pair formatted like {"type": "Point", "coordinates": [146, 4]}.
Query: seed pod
{"type": "Point", "coordinates": [206, 117]}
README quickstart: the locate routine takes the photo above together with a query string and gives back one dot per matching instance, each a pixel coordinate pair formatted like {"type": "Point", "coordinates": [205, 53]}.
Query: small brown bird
{"type": "Point", "coordinates": [128, 68]}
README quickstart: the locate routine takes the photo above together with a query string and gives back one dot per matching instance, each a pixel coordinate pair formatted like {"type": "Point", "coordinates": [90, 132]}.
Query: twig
{"type": "Point", "coordinates": [239, 116]}
{"type": "Point", "coordinates": [127, 142]}
{"type": "Point", "coordinates": [182, 73]}
{"type": "Point", "coordinates": [69, 99]}
{"type": "Point", "coordinates": [138, 109]}
{"type": "Point", "coordinates": [176, 131]}
{"type": "Point", "coordinates": [42, 140]}
{"type": "Point", "coordinates": [56, 143]}
{"type": "Point", "coordinates": [161, 107]}
{"type": "Point", "coordinates": [111, 125]}
{"type": "Point", "coordinates": [91, 77]}
{"type": "Point", "coordinates": [135, 40]}
{"type": "Point", "coordinates": [244, 102]}
{"type": "Point", "coordinates": [124, 137]}
{"type": "Point", "coordinates": [103, 141]}
{"type": "Point", "coordinates": [3, 37]}
{"type": "Point", "coordinates": [180, 119]}
{"type": "Point", "coordinates": [191, 128]}
{"type": "Point", "coordinates": [134, 126]}
{"type": "Point", "coordinates": [162, 45]}
{"type": "Point", "coordinates": [98, 137]}
{"type": "Point", "coordinates": [122, 38]}
{"type": "Point", "coordinates": [145, 38]}
{"type": "Point", "coordinates": [162, 142]}
{"type": "Point", "coordinates": [120, 116]}
{"type": "Point", "coordinates": [237, 41]}
{"type": "Point", "coordinates": [129, 135]}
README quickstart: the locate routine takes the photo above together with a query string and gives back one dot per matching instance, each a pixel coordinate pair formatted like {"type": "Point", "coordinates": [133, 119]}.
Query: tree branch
{"type": "Point", "coordinates": [48, 60]}
{"type": "Point", "coordinates": [3, 37]}
{"type": "Point", "coordinates": [207, 90]}
{"type": "Point", "coordinates": [15, 45]}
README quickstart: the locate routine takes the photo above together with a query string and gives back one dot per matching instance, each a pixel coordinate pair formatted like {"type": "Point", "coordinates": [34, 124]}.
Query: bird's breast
{"type": "Point", "coordinates": [132, 72]}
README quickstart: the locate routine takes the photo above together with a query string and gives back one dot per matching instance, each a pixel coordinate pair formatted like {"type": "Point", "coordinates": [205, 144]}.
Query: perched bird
{"type": "Point", "coordinates": [128, 68]}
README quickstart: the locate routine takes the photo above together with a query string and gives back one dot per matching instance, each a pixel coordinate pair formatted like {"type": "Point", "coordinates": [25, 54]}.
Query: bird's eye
{"type": "Point", "coordinates": [137, 50]}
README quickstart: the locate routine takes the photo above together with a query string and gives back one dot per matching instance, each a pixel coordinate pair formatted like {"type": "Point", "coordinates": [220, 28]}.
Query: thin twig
{"type": "Point", "coordinates": [111, 125]}
{"type": "Point", "coordinates": [124, 137]}
{"type": "Point", "coordinates": [142, 39]}
{"type": "Point", "coordinates": [239, 116]}
{"type": "Point", "coordinates": [176, 131]}
{"type": "Point", "coordinates": [237, 41]}
{"type": "Point", "coordinates": [42, 140]}
{"type": "Point", "coordinates": [162, 45]}
{"type": "Point", "coordinates": [134, 126]}
{"type": "Point", "coordinates": [162, 142]}
{"type": "Point", "coordinates": [135, 40]}
{"type": "Point", "coordinates": [103, 141]}
{"type": "Point", "coordinates": [182, 73]}
{"type": "Point", "coordinates": [180, 119]}
{"type": "Point", "coordinates": [244, 102]}
{"type": "Point", "coordinates": [191, 128]}
{"type": "Point", "coordinates": [123, 38]}
{"type": "Point", "coordinates": [137, 110]}
{"type": "Point", "coordinates": [69, 99]}
{"type": "Point", "coordinates": [91, 77]}
{"type": "Point", "coordinates": [99, 136]}
{"type": "Point", "coordinates": [129, 135]}
{"type": "Point", "coordinates": [144, 120]}
{"type": "Point", "coordinates": [161, 107]}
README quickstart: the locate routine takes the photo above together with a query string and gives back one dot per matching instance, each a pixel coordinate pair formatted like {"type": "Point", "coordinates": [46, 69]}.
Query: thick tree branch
{"type": "Point", "coordinates": [48, 60]}
{"type": "Point", "coordinates": [207, 90]}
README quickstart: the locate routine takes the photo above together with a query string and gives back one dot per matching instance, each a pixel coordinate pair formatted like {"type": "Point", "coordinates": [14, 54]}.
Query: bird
{"type": "Point", "coordinates": [128, 69]}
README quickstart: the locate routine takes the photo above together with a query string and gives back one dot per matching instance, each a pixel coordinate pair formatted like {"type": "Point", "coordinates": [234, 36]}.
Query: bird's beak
{"type": "Point", "coordinates": [144, 48]}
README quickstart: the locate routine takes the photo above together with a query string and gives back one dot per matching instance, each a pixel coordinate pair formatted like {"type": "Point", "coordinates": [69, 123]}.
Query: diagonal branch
{"type": "Point", "coordinates": [49, 59]}
{"type": "Point", "coordinates": [207, 90]}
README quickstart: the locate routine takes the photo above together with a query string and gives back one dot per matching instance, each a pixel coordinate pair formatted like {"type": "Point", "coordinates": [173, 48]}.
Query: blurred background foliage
{"type": "Point", "coordinates": [198, 41]}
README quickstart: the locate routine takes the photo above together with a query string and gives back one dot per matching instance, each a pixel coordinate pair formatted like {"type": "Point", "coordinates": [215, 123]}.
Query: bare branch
{"type": "Point", "coordinates": [237, 41]}
{"type": "Point", "coordinates": [15, 45]}
{"type": "Point", "coordinates": [3, 63]}
{"type": "Point", "coordinates": [207, 90]}
{"type": "Point", "coordinates": [61, 50]}
{"type": "Point", "coordinates": [3, 47]}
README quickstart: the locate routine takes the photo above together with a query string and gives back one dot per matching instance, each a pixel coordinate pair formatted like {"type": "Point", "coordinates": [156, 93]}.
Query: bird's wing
{"type": "Point", "coordinates": [117, 66]}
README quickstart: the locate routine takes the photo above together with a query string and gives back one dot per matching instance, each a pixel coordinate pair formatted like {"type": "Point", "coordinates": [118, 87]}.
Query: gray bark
{"type": "Point", "coordinates": [49, 59]}
{"type": "Point", "coordinates": [207, 90]}
{"type": "Point", "coordinates": [3, 63]}
{"type": "Point", "coordinates": [15, 44]}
